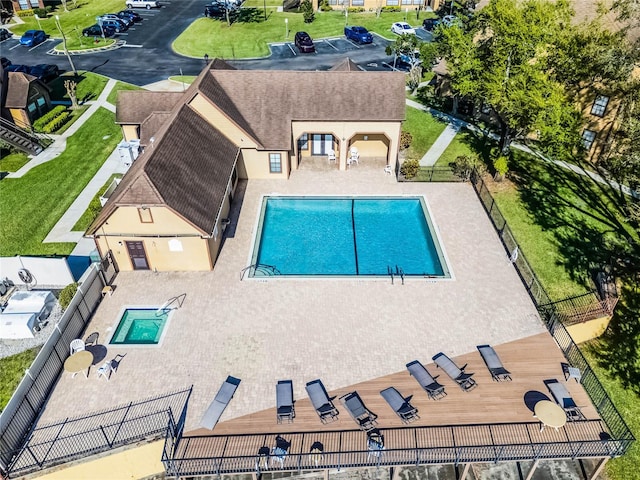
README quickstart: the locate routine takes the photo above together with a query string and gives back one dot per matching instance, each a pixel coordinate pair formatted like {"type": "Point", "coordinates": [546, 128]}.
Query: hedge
{"type": "Point", "coordinates": [39, 124]}
{"type": "Point", "coordinates": [388, 8]}
{"type": "Point", "coordinates": [57, 122]}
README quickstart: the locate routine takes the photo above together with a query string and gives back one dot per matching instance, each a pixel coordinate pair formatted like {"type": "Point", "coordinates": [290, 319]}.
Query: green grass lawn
{"type": "Point", "coordinates": [249, 39]}
{"type": "Point", "coordinates": [12, 162]}
{"type": "Point", "coordinates": [424, 129]}
{"type": "Point", "coordinates": [83, 15]}
{"type": "Point", "coordinates": [89, 86]}
{"type": "Point", "coordinates": [94, 207]}
{"type": "Point", "coordinates": [11, 372]}
{"type": "Point", "coordinates": [465, 143]}
{"type": "Point", "coordinates": [113, 95]}
{"type": "Point", "coordinates": [186, 79]}
{"type": "Point", "coordinates": [31, 205]}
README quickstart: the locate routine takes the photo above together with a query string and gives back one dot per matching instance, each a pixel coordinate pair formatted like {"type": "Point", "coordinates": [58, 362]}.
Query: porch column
{"type": "Point", "coordinates": [343, 154]}
{"type": "Point", "coordinates": [465, 471]}
{"type": "Point", "coordinates": [599, 468]}
{"type": "Point", "coordinates": [532, 470]}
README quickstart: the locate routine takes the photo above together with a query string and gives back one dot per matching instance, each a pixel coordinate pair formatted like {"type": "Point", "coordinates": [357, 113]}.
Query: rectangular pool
{"type": "Point", "coordinates": [346, 236]}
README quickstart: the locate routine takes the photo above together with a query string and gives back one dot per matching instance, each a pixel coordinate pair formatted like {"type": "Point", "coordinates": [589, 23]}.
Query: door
{"type": "Point", "coordinates": [321, 144]}
{"type": "Point", "coordinates": [137, 255]}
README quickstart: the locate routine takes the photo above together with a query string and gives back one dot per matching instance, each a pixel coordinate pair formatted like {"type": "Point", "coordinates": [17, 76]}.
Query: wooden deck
{"type": "Point", "coordinates": [530, 361]}
{"type": "Point", "coordinates": [494, 422]}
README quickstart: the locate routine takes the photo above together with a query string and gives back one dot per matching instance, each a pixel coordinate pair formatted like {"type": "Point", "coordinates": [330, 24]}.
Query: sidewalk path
{"type": "Point", "coordinates": [60, 143]}
{"type": "Point", "coordinates": [455, 124]}
{"type": "Point", "coordinates": [63, 230]}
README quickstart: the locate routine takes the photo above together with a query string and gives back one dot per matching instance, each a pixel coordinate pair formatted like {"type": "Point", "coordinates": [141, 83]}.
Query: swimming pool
{"type": "Point", "coordinates": [346, 236]}
{"type": "Point", "coordinates": [140, 326]}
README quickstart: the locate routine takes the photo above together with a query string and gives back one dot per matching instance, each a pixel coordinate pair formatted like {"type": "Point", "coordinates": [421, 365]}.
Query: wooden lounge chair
{"type": "Point", "coordinates": [456, 374]}
{"type": "Point", "coordinates": [407, 412]}
{"type": "Point", "coordinates": [493, 363]}
{"type": "Point", "coordinates": [284, 401]}
{"type": "Point", "coordinates": [365, 419]}
{"type": "Point", "coordinates": [220, 402]}
{"type": "Point", "coordinates": [563, 398]}
{"type": "Point", "coordinates": [426, 381]}
{"type": "Point", "coordinates": [321, 401]}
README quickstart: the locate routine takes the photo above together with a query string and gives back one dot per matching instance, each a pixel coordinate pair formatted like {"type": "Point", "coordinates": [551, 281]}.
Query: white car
{"type": "Point", "coordinates": [142, 4]}
{"type": "Point", "coordinates": [403, 28]}
{"type": "Point", "coordinates": [449, 20]}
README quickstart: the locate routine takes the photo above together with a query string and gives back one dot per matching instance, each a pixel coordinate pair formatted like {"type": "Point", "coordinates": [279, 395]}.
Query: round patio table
{"type": "Point", "coordinates": [550, 414]}
{"type": "Point", "coordinates": [78, 362]}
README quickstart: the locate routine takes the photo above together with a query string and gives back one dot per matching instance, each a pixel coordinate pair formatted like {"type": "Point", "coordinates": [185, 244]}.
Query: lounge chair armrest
{"type": "Point", "coordinates": [463, 367]}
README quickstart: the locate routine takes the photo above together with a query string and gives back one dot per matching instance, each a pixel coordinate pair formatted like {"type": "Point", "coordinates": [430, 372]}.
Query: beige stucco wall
{"type": "Point", "coordinates": [374, 146]}
{"type": "Point", "coordinates": [130, 132]}
{"type": "Point", "coordinates": [125, 224]}
{"type": "Point", "coordinates": [345, 132]}
{"type": "Point", "coordinates": [20, 117]}
{"type": "Point", "coordinates": [581, 332]}
{"type": "Point", "coordinates": [255, 164]}
{"type": "Point", "coordinates": [132, 463]}
{"type": "Point", "coordinates": [372, 5]}
{"type": "Point", "coordinates": [219, 120]}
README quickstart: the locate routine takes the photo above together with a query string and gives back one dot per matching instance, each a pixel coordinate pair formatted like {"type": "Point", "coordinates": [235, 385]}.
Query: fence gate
{"type": "Point", "coordinates": [109, 267]}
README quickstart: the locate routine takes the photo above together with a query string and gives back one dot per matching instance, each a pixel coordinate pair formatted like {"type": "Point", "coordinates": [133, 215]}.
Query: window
{"type": "Point", "coordinates": [333, 2]}
{"type": "Point", "coordinates": [406, 2]}
{"type": "Point", "coordinates": [357, 3]}
{"type": "Point", "coordinates": [588, 137]}
{"type": "Point", "coordinates": [392, 2]}
{"type": "Point", "coordinates": [600, 105]}
{"type": "Point", "coordinates": [31, 107]}
{"type": "Point", "coordinates": [275, 164]}
{"type": "Point", "coordinates": [40, 101]}
{"type": "Point", "coordinates": [145, 215]}
{"type": "Point", "coordinates": [417, 2]}
{"type": "Point", "coordinates": [303, 143]}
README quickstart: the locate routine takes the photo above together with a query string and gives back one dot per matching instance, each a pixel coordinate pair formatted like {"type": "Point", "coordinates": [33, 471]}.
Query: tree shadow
{"type": "Point", "coordinates": [249, 15]}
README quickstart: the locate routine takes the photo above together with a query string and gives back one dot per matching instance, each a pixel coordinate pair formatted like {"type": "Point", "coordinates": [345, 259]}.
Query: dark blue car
{"type": "Point", "coordinates": [358, 34]}
{"type": "Point", "coordinates": [31, 38]}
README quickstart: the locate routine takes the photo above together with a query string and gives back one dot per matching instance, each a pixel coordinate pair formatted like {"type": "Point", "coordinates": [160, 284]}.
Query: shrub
{"type": "Point", "coordinates": [25, 13]}
{"type": "Point", "coordinates": [464, 165]}
{"type": "Point", "coordinates": [324, 6]}
{"type": "Point", "coordinates": [56, 123]}
{"type": "Point", "coordinates": [307, 11]}
{"type": "Point", "coordinates": [355, 9]}
{"type": "Point", "coordinates": [41, 12]}
{"type": "Point", "coordinates": [409, 168]}
{"type": "Point", "coordinates": [501, 166]}
{"type": "Point", "coordinates": [405, 140]}
{"type": "Point", "coordinates": [66, 295]}
{"type": "Point", "coordinates": [47, 117]}
{"type": "Point", "coordinates": [388, 8]}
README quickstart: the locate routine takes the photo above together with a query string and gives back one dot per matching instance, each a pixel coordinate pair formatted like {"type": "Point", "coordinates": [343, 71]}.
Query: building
{"type": "Point", "coordinates": [25, 98]}
{"type": "Point", "coordinates": [372, 5]}
{"type": "Point", "coordinates": [171, 208]}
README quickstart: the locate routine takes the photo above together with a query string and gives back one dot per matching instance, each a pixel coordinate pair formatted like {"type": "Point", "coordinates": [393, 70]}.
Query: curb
{"type": "Point", "coordinates": [114, 46]}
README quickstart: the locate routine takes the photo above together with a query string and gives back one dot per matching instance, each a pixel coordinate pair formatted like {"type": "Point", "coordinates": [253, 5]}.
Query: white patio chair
{"type": "Point", "coordinates": [105, 370]}
{"type": "Point", "coordinates": [76, 345]}
{"type": "Point", "coordinates": [331, 156]}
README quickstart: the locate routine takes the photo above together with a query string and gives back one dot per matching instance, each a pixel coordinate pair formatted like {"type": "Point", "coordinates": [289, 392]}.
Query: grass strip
{"type": "Point", "coordinates": [11, 373]}
{"type": "Point", "coordinates": [94, 207]}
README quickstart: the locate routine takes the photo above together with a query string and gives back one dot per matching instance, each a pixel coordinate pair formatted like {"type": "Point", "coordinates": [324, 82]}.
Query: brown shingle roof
{"type": "Point", "coordinates": [263, 103]}
{"type": "Point", "coordinates": [187, 169]}
{"type": "Point", "coordinates": [135, 106]}
{"type": "Point", "coordinates": [151, 125]}
{"type": "Point", "coordinates": [346, 65]}
{"type": "Point", "coordinates": [18, 89]}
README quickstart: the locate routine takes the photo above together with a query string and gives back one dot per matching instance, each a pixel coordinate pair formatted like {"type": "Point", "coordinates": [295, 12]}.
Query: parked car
{"type": "Point", "coordinates": [304, 43]}
{"type": "Point", "coordinates": [135, 16]}
{"type": "Point", "coordinates": [429, 24]}
{"type": "Point", "coordinates": [4, 34]}
{"type": "Point", "coordinates": [96, 31]}
{"type": "Point", "coordinates": [5, 62]}
{"type": "Point", "coordinates": [112, 16]}
{"type": "Point", "coordinates": [117, 25]}
{"type": "Point", "coordinates": [148, 4]}
{"type": "Point", "coordinates": [16, 68]}
{"type": "Point", "coordinates": [45, 72]}
{"type": "Point", "coordinates": [31, 38]}
{"type": "Point", "coordinates": [214, 10]}
{"type": "Point", "coordinates": [358, 34]}
{"type": "Point", "coordinates": [449, 20]}
{"type": "Point", "coordinates": [411, 59]}
{"type": "Point", "coordinates": [402, 28]}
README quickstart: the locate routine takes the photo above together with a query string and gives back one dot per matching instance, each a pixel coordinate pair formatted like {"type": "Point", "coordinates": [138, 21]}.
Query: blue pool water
{"type": "Point", "coordinates": [140, 326]}
{"type": "Point", "coordinates": [347, 236]}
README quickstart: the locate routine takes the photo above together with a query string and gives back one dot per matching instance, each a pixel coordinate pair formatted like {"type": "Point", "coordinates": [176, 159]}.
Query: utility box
{"type": "Point", "coordinates": [128, 152]}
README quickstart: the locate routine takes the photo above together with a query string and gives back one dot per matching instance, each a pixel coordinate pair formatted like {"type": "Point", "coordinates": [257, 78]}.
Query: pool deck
{"type": "Point", "coordinates": [344, 331]}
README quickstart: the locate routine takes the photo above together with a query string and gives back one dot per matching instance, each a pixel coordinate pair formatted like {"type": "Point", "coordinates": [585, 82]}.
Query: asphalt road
{"type": "Point", "coordinates": [147, 56]}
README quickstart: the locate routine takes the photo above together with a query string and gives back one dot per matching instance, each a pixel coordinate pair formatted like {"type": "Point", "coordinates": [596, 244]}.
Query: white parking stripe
{"type": "Point", "coordinates": [353, 43]}
{"type": "Point", "coordinates": [330, 44]}
{"type": "Point", "coordinates": [16, 46]}
{"type": "Point", "coordinates": [291, 48]}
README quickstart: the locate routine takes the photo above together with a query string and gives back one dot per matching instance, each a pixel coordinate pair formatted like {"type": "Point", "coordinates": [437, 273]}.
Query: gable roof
{"type": "Point", "coordinates": [135, 106]}
{"type": "Point", "coordinates": [346, 65]}
{"type": "Point", "coordinates": [18, 89]}
{"type": "Point", "coordinates": [263, 103]}
{"type": "Point", "coordinates": [180, 171]}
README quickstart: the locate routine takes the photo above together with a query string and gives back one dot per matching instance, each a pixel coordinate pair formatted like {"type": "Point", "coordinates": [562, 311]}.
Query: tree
{"type": "Point", "coordinates": [406, 47]}
{"type": "Point", "coordinates": [307, 11]}
{"type": "Point", "coordinates": [70, 86]}
{"type": "Point", "coordinates": [499, 58]}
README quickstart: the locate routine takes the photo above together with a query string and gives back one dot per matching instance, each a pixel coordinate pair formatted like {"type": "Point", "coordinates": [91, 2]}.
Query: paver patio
{"type": "Point", "coordinates": [344, 331]}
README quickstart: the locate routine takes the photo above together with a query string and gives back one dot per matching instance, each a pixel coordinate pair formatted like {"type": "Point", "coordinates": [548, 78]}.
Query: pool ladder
{"type": "Point", "coordinates": [267, 270]}
{"type": "Point", "coordinates": [399, 272]}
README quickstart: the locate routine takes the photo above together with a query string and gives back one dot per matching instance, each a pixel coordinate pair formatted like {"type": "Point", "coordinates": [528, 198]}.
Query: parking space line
{"type": "Point", "coordinates": [33, 48]}
{"type": "Point", "coordinates": [291, 48]}
{"type": "Point", "coordinates": [16, 46]}
{"type": "Point", "coordinates": [129, 45]}
{"type": "Point", "coordinates": [331, 45]}
{"type": "Point", "coordinates": [353, 43]}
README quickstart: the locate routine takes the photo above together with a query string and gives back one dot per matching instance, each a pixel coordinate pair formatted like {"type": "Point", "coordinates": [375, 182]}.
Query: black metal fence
{"type": "Point", "coordinates": [451, 444]}
{"type": "Point", "coordinates": [21, 413]}
{"type": "Point", "coordinates": [433, 174]}
{"type": "Point", "coordinates": [553, 319]}
{"type": "Point", "coordinates": [75, 438]}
